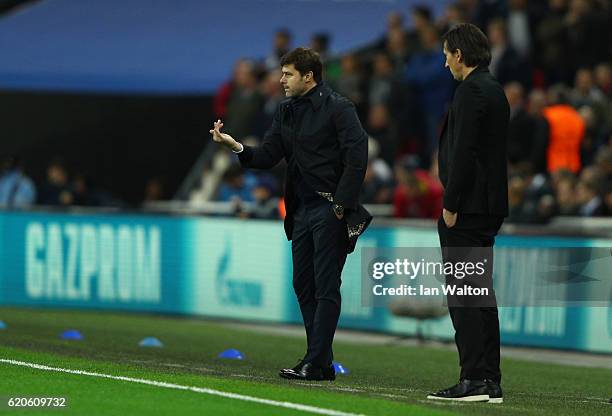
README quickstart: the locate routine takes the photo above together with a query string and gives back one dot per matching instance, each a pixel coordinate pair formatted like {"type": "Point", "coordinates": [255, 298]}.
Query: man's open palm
{"type": "Point", "coordinates": [219, 137]}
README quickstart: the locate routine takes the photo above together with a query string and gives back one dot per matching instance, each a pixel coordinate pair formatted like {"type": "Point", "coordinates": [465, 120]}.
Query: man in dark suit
{"type": "Point", "coordinates": [473, 170]}
{"type": "Point", "coordinates": [318, 133]}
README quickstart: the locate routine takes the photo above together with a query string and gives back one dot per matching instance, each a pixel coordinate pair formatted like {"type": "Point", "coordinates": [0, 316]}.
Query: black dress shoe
{"type": "Point", "coordinates": [298, 367]}
{"type": "Point", "coordinates": [464, 391]}
{"type": "Point", "coordinates": [295, 369]}
{"type": "Point", "coordinates": [495, 392]}
{"type": "Point", "coordinates": [329, 373]}
{"type": "Point", "coordinates": [308, 371]}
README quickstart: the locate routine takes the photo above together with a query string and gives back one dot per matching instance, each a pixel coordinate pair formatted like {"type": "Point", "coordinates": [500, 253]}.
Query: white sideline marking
{"type": "Point", "coordinates": [288, 405]}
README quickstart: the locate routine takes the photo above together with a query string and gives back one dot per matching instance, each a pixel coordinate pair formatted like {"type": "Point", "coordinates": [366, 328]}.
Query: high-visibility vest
{"type": "Point", "coordinates": [566, 131]}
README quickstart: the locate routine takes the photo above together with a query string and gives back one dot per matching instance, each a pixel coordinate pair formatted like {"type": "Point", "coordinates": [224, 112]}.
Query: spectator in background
{"type": "Point", "coordinates": [378, 181]}
{"type": "Point", "coordinates": [397, 49]}
{"type": "Point", "coordinates": [245, 100]}
{"type": "Point", "coordinates": [538, 183]}
{"type": "Point", "coordinates": [594, 107]}
{"type": "Point", "coordinates": [282, 45]}
{"type": "Point", "coordinates": [380, 129]}
{"type": "Point", "coordinates": [603, 163]}
{"type": "Point", "coordinates": [56, 189]}
{"type": "Point", "coordinates": [155, 190]}
{"type": "Point", "coordinates": [566, 132]}
{"type": "Point", "coordinates": [436, 189]}
{"type": "Point", "coordinates": [535, 108]}
{"type": "Point", "coordinates": [565, 196]}
{"type": "Point", "coordinates": [603, 159]}
{"type": "Point", "coordinates": [272, 93]}
{"type": "Point", "coordinates": [453, 15]}
{"type": "Point", "coordinates": [585, 91]}
{"type": "Point", "coordinates": [481, 13]}
{"type": "Point", "coordinates": [380, 89]}
{"type": "Point", "coordinates": [236, 187]}
{"type": "Point", "coordinates": [421, 20]}
{"type": "Point", "coordinates": [375, 190]}
{"type": "Point", "coordinates": [266, 204]}
{"type": "Point", "coordinates": [222, 95]}
{"type": "Point", "coordinates": [603, 79]}
{"type": "Point", "coordinates": [506, 63]}
{"type": "Point", "coordinates": [381, 81]}
{"type": "Point", "coordinates": [588, 197]}
{"type": "Point", "coordinates": [537, 102]}
{"type": "Point", "coordinates": [416, 194]}
{"type": "Point", "coordinates": [519, 27]}
{"type": "Point", "coordinates": [590, 141]}
{"type": "Point", "coordinates": [551, 43]}
{"type": "Point", "coordinates": [531, 198]}
{"type": "Point", "coordinates": [319, 42]}
{"type": "Point", "coordinates": [16, 189]}
{"type": "Point", "coordinates": [351, 82]}
{"type": "Point", "coordinates": [517, 211]}
{"type": "Point", "coordinates": [586, 35]}
{"type": "Point", "coordinates": [519, 126]}
{"type": "Point", "coordinates": [476, 12]}
{"type": "Point", "coordinates": [592, 174]}
{"type": "Point", "coordinates": [395, 22]}
{"type": "Point", "coordinates": [410, 197]}
{"type": "Point", "coordinates": [432, 83]}
{"type": "Point", "coordinates": [393, 43]}
{"type": "Point", "coordinates": [526, 141]}
{"type": "Point", "coordinates": [80, 190]}
{"type": "Point", "coordinates": [608, 198]}
{"type": "Point", "coordinates": [85, 194]}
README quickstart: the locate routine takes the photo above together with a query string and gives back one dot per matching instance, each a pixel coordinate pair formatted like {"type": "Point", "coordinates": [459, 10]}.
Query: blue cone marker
{"type": "Point", "coordinates": [232, 354]}
{"type": "Point", "coordinates": [150, 342]}
{"type": "Point", "coordinates": [340, 369]}
{"type": "Point", "coordinates": [71, 334]}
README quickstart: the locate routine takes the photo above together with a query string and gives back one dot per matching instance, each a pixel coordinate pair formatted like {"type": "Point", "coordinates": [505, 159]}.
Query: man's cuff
{"type": "Point", "coordinates": [239, 151]}
{"type": "Point", "coordinates": [245, 156]}
{"type": "Point", "coordinates": [346, 202]}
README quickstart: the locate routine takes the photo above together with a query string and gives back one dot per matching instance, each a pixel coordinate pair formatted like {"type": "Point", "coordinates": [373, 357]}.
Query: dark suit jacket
{"type": "Point", "coordinates": [472, 152]}
{"type": "Point", "coordinates": [325, 145]}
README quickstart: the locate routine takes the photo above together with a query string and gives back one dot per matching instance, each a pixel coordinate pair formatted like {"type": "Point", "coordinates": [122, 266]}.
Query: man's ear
{"type": "Point", "coordinates": [308, 76]}
{"type": "Point", "coordinates": [459, 55]}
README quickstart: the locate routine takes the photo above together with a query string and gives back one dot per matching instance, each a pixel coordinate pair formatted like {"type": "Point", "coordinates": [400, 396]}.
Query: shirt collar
{"type": "Point", "coordinates": [316, 95]}
{"type": "Point", "coordinates": [480, 68]}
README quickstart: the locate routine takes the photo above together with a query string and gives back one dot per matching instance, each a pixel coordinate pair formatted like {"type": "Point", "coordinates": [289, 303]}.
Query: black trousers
{"type": "Point", "coordinates": [476, 327]}
{"type": "Point", "coordinates": [319, 249]}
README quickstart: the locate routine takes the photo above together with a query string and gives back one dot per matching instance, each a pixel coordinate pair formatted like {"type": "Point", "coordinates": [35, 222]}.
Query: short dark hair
{"type": "Point", "coordinates": [304, 60]}
{"type": "Point", "coordinates": [322, 39]}
{"type": "Point", "coordinates": [473, 44]}
{"type": "Point", "coordinates": [422, 11]}
{"type": "Point", "coordinates": [284, 32]}
{"type": "Point", "coordinates": [558, 94]}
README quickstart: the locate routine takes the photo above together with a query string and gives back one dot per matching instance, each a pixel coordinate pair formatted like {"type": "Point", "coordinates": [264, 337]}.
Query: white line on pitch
{"type": "Point", "coordinates": [288, 405]}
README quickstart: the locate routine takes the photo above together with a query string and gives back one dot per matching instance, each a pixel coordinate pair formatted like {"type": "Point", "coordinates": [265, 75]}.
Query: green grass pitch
{"type": "Point", "coordinates": [383, 379]}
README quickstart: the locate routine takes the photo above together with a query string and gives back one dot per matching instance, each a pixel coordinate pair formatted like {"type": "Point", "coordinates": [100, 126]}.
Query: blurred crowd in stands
{"type": "Point", "coordinates": [62, 187]}
{"type": "Point", "coordinates": [554, 59]}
